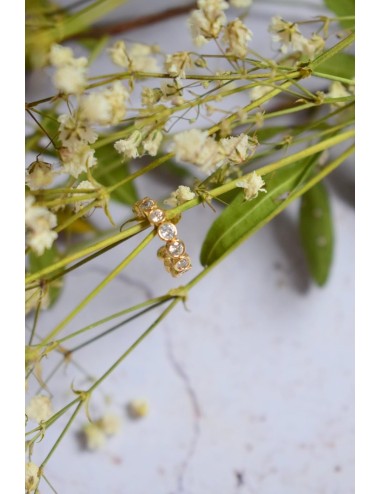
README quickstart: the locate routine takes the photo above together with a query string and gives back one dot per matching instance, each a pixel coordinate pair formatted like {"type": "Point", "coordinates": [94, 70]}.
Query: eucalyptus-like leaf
{"type": "Point", "coordinates": [243, 218]}
{"type": "Point", "coordinates": [342, 8]}
{"type": "Point", "coordinates": [316, 229]}
{"type": "Point", "coordinates": [340, 65]}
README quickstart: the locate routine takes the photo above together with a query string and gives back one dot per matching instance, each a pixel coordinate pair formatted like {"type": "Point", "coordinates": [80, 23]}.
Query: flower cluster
{"type": "Point", "coordinates": [39, 223]}
{"type": "Point", "coordinates": [70, 74]}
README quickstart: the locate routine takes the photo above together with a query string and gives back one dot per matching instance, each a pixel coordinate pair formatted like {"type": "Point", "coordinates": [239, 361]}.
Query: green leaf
{"type": "Point", "coordinates": [340, 65]}
{"type": "Point", "coordinates": [317, 232]}
{"type": "Point", "coordinates": [243, 218]}
{"type": "Point", "coordinates": [110, 170]}
{"type": "Point", "coordinates": [36, 263]}
{"type": "Point", "coordinates": [342, 8]}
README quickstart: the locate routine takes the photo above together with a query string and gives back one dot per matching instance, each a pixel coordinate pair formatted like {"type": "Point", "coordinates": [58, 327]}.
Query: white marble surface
{"type": "Point", "coordinates": [250, 386]}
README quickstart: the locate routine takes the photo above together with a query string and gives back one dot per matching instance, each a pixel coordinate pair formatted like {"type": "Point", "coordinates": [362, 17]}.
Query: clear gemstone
{"type": "Point", "coordinates": [167, 231]}
{"type": "Point", "coordinates": [147, 204]}
{"type": "Point", "coordinates": [156, 216]}
{"type": "Point", "coordinates": [176, 248]}
{"type": "Point", "coordinates": [183, 264]}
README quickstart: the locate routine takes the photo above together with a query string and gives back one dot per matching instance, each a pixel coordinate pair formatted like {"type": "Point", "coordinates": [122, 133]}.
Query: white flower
{"type": "Point", "coordinates": [177, 63]}
{"type": "Point", "coordinates": [39, 408]}
{"type": "Point", "coordinates": [77, 161]}
{"type": "Point", "coordinates": [105, 107]}
{"type": "Point", "coordinates": [313, 46]}
{"type": "Point", "coordinates": [337, 90]}
{"type": "Point", "coordinates": [172, 91]}
{"type": "Point", "coordinates": [61, 55]}
{"type": "Point", "coordinates": [39, 175]}
{"type": "Point", "coordinates": [70, 79]}
{"type": "Point", "coordinates": [149, 96]}
{"type": "Point", "coordinates": [152, 142]}
{"type": "Point", "coordinates": [180, 196]}
{"type": "Point", "coordinates": [110, 424]}
{"type": "Point", "coordinates": [32, 476]}
{"type": "Point", "coordinates": [95, 437]}
{"type": "Point", "coordinates": [39, 222]}
{"type": "Point", "coordinates": [259, 91]}
{"type": "Point", "coordinates": [207, 22]}
{"type": "Point", "coordinates": [138, 408]}
{"type": "Point", "coordinates": [241, 3]}
{"type": "Point", "coordinates": [196, 147]}
{"type": "Point", "coordinates": [236, 149]}
{"type": "Point", "coordinates": [85, 184]}
{"type": "Point", "coordinates": [237, 36]}
{"type": "Point", "coordinates": [286, 33]}
{"type": "Point", "coordinates": [74, 132]}
{"type": "Point", "coordinates": [137, 58]}
{"type": "Point", "coordinates": [252, 185]}
{"type": "Point", "coordinates": [129, 147]}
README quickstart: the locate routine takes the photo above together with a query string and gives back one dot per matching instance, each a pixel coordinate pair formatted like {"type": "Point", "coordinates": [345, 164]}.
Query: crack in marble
{"type": "Point", "coordinates": [196, 411]}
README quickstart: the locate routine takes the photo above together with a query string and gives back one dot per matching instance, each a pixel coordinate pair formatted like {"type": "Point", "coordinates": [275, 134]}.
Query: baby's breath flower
{"type": "Point", "coordinates": [237, 36]}
{"type": "Point", "coordinates": [236, 149]}
{"type": "Point", "coordinates": [180, 196]}
{"type": "Point", "coordinates": [196, 147]}
{"type": "Point", "coordinates": [39, 222]}
{"type": "Point", "coordinates": [207, 22]}
{"type": "Point", "coordinates": [252, 185]}
{"type": "Point", "coordinates": [39, 408]}
{"type": "Point", "coordinates": [39, 175]}
{"type": "Point", "coordinates": [129, 147]}
{"type": "Point", "coordinates": [337, 90]}
{"type": "Point", "coordinates": [137, 58]}
{"type": "Point", "coordinates": [110, 424]}
{"type": "Point", "coordinates": [70, 76]}
{"type": "Point", "coordinates": [259, 91]}
{"type": "Point", "coordinates": [74, 132]}
{"type": "Point", "coordinates": [32, 476]}
{"type": "Point", "coordinates": [241, 3]}
{"type": "Point", "coordinates": [85, 184]}
{"type": "Point", "coordinates": [152, 142]}
{"type": "Point", "coordinates": [286, 33]}
{"type": "Point", "coordinates": [138, 408]}
{"type": "Point", "coordinates": [105, 107]}
{"type": "Point", "coordinates": [77, 161]}
{"type": "Point", "coordinates": [95, 437]}
{"type": "Point", "coordinates": [177, 63]}
{"type": "Point", "coordinates": [150, 96]}
{"type": "Point", "coordinates": [313, 46]}
{"type": "Point", "coordinates": [172, 91]}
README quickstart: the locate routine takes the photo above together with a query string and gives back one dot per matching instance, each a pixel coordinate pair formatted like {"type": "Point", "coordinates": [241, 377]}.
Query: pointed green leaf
{"type": "Point", "coordinates": [342, 8]}
{"type": "Point", "coordinates": [316, 229]}
{"type": "Point", "coordinates": [243, 218]}
{"type": "Point", "coordinates": [340, 65]}
{"type": "Point", "coordinates": [110, 170]}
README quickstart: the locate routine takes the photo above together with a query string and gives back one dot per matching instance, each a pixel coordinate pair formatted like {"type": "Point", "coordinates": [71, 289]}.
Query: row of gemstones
{"type": "Point", "coordinates": [173, 253]}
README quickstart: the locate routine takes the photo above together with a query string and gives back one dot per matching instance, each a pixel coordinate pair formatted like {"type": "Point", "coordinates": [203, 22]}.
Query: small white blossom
{"type": "Point", "coordinates": [110, 424]}
{"type": "Point", "coordinates": [74, 132]}
{"type": "Point", "coordinates": [95, 437]}
{"type": "Point", "coordinates": [196, 147]}
{"type": "Point", "coordinates": [35, 297]}
{"type": "Point", "coordinates": [252, 185]}
{"type": "Point", "coordinates": [61, 55]}
{"type": "Point", "coordinates": [337, 90]}
{"type": "Point", "coordinates": [129, 147]}
{"type": "Point", "coordinates": [313, 46]}
{"type": "Point", "coordinates": [32, 476]}
{"type": "Point", "coordinates": [138, 408]}
{"type": "Point", "coordinates": [258, 92]}
{"type": "Point", "coordinates": [85, 184]}
{"type": "Point", "coordinates": [151, 143]}
{"type": "Point", "coordinates": [172, 91]}
{"type": "Point", "coordinates": [39, 408]}
{"type": "Point", "coordinates": [180, 196]}
{"type": "Point", "coordinates": [105, 107]}
{"type": "Point", "coordinates": [286, 33]}
{"type": "Point", "coordinates": [207, 22]}
{"type": "Point", "coordinates": [39, 222]}
{"type": "Point", "coordinates": [70, 76]}
{"type": "Point", "coordinates": [240, 4]}
{"type": "Point", "coordinates": [77, 161]}
{"type": "Point", "coordinates": [137, 58]}
{"type": "Point", "coordinates": [236, 149]}
{"type": "Point", "coordinates": [177, 63]}
{"type": "Point", "coordinates": [236, 36]}
{"type": "Point", "coordinates": [39, 175]}
{"type": "Point", "coordinates": [149, 96]}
